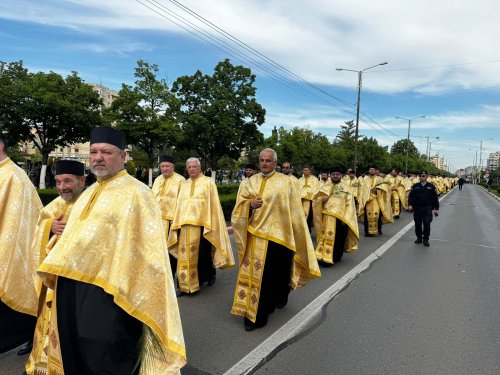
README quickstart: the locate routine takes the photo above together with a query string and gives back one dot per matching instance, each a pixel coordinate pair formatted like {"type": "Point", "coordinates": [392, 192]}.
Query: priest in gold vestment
{"type": "Point", "coordinates": [397, 192]}
{"type": "Point", "coordinates": [339, 228]}
{"type": "Point", "coordinates": [309, 187]}
{"type": "Point", "coordinates": [115, 310]}
{"type": "Point", "coordinates": [275, 250]}
{"type": "Point", "coordinates": [286, 169]}
{"type": "Point", "coordinates": [374, 203]}
{"type": "Point", "coordinates": [19, 210]}
{"type": "Point", "coordinates": [70, 182]}
{"type": "Point", "coordinates": [198, 236]}
{"type": "Point", "coordinates": [166, 189]}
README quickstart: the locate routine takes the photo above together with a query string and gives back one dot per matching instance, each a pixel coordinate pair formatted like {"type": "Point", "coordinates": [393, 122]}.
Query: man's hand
{"type": "Point", "coordinates": [436, 213]}
{"type": "Point", "coordinates": [256, 203]}
{"type": "Point", "coordinates": [410, 208]}
{"type": "Point", "coordinates": [58, 225]}
{"type": "Point", "coordinates": [325, 198]}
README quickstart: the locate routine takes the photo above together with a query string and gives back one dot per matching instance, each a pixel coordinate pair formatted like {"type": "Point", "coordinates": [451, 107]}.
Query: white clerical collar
{"type": "Point", "coordinates": [268, 174]}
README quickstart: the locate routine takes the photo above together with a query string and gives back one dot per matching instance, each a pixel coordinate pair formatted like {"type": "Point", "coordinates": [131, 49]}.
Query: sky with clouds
{"type": "Point", "coordinates": [442, 58]}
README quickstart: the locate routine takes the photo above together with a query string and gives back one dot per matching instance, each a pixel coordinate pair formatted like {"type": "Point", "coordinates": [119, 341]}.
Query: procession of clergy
{"type": "Point", "coordinates": [91, 276]}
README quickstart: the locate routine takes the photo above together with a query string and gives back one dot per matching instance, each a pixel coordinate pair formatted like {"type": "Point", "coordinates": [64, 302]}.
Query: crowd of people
{"type": "Point", "coordinates": [92, 279]}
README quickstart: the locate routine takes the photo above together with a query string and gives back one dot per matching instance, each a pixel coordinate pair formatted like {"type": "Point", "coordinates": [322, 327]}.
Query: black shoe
{"type": "Point", "coordinates": [396, 217]}
{"type": "Point", "coordinates": [282, 303]}
{"type": "Point", "coordinates": [426, 243]}
{"type": "Point", "coordinates": [368, 235]}
{"type": "Point", "coordinates": [180, 293]}
{"type": "Point", "coordinates": [251, 326]}
{"type": "Point", "coordinates": [211, 281]}
{"type": "Point", "coordinates": [380, 232]}
{"type": "Point", "coordinates": [26, 349]}
{"type": "Point", "coordinates": [418, 240]}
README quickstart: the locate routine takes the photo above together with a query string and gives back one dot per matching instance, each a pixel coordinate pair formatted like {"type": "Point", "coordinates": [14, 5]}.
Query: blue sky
{"type": "Point", "coordinates": [443, 59]}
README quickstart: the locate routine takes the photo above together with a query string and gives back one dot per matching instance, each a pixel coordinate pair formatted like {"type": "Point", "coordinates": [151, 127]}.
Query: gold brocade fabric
{"type": "Point", "coordinates": [187, 256]}
{"type": "Point", "coordinates": [198, 204]}
{"type": "Point", "coordinates": [280, 220]}
{"type": "Point", "coordinates": [353, 184]}
{"type": "Point", "coordinates": [309, 187]}
{"type": "Point", "coordinates": [340, 206]}
{"type": "Point", "coordinates": [166, 191]}
{"type": "Point", "coordinates": [43, 351]}
{"type": "Point", "coordinates": [407, 188]}
{"type": "Point", "coordinates": [397, 192]}
{"type": "Point", "coordinates": [19, 210]}
{"type": "Point", "coordinates": [372, 205]}
{"type": "Point", "coordinates": [295, 180]}
{"type": "Point", "coordinates": [114, 239]}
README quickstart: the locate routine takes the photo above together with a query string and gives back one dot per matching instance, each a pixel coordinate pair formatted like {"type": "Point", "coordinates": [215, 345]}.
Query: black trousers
{"type": "Point", "coordinates": [206, 269]}
{"type": "Point", "coordinates": [422, 217]}
{"type": "Point", "coordinates": [340, 237]}
{"type": "Point", "coordinates": [310, 217]}
{"type": "Point", "coordinates": [96, 336]}
{"type": "Point", "coordinates": [15, 328]}
{"type": "Point", "coordinates": [173, 260]}
{"type": "Point", "coordinates": [275, 285]}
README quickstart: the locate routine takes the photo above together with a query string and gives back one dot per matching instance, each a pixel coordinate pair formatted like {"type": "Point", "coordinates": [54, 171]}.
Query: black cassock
{"type": "Point", "coordinates": [96, 335]}
{"type": "Point", "coordinates": [15, 328]}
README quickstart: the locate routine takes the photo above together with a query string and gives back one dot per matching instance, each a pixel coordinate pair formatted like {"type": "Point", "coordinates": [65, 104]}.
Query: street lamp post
{"type": "Point", "coordinates": [360, 79]}
{"type": "Point", "coordinates": [408, 139]}
{"type": "Point", "coordinates": [481, 154]}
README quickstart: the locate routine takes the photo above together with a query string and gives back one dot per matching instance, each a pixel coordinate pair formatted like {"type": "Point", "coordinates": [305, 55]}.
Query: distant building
{"type": "Point", "coordinates": [107, 95]}
{"type": "Point", "coordinates": [493, 161]}
{"type": "Point", "coordinates": [438, 162]}
{"type": "Point", "coordinates": [80, 151]}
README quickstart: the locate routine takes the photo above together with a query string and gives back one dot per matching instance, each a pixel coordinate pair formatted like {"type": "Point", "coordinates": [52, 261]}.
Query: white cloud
{"type": "Point", "coordinates": [314, 37]}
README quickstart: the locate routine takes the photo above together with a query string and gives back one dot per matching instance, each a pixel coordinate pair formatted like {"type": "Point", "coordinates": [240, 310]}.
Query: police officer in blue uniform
{"type": "Point", "coordinates": [423, 201]}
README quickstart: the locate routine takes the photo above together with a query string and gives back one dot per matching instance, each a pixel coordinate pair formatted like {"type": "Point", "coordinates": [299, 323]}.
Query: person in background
{"type": "Point", "coordinates": [275, 249]}
{"type": "Point", "coordinates": [20, 207]}
{"type": "Point", "coordinates": [198, 236]}
{"type": "Point", "coordinates": [423, 201]}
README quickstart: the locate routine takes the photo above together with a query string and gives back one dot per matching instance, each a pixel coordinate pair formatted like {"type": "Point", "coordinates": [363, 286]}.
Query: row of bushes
{"type": "Point", "coordinates": [227, 200]}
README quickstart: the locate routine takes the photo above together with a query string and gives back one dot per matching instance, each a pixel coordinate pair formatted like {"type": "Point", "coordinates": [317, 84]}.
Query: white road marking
{"type": "Point", "coordinates": [309, 313]}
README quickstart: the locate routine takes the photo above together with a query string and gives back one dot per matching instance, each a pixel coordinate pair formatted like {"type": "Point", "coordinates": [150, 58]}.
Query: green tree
{"type": "Point", "coordinates": [146, 113]}
{"type": "Point", "coordinates": [370, 152]}
{"type": "Point", "coordinates": [345, 139]}
{"type": "Point", "coordinates": [46, 109]}
{"type": "Point", "coordinates": [11, 74]}
{"type": "Point", "coordinates": [219, 113]}
{"type": "Point", "coordinates": [402, 145]}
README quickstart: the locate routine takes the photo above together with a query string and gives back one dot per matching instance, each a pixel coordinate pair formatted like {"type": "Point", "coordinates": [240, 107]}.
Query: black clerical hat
{"type": "Point", "coordinates": [109, 135]}
{"type": "Point", "coordinates": [337, 168]}
{"type": "Point", "coordinates": [70, 167]}
{"type": "Point", "coordinates": [250, 166]}
{"type": "Point", "coordinates": [424, 172]}
{"type": "Point", "coordinates": [166, 158]}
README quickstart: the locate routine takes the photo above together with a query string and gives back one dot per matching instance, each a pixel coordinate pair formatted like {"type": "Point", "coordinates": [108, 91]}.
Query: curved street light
{"type": "Point", "coordinates": [360, 75]}
{"type": "Point", "coordinates": [481, 153]}
{"type": "Point", "coordinates": [408, 139]}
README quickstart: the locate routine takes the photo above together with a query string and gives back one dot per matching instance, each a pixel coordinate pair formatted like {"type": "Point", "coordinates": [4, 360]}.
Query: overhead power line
{"type": "Point", "coordinates": [241, 51]}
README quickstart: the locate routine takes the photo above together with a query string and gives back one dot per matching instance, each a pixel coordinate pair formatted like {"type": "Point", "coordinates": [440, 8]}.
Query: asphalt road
{"type": "Point", "coordinates": [414, 310]}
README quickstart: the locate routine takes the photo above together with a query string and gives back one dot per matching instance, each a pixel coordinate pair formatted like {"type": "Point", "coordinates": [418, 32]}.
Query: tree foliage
{"type": "Point", "coordinates": [219, 113]}
{"type": "Point", "coordinates": [402, 145]}
{"type": "Point", "coordinates": [46, 109]}
{"type": "Point", "coordinates": [146, 112]}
